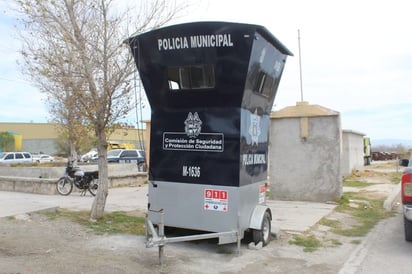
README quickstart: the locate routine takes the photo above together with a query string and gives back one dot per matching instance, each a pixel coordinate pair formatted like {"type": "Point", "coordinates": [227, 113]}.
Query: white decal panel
{"type": "Point", "coordinates": [216, 200]}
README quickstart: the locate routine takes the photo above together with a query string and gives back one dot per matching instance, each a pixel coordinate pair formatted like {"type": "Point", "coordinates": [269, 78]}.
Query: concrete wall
{"type": "Point", "coordinates": [42, 180]}
{"type": "Point", "coordinates": [114, 170]}
{"type": "Point", "coordinates": [28, 185]}
{"type": "Point", "coordinates": [305, 155]}
{"type": "Point", "coordinates": [352, 152]}
{"type": "Point", "coordinates": [45, 146]}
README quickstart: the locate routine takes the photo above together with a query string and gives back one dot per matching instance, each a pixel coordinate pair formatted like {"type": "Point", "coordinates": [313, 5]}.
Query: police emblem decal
{"type": "Point", "coordinates": [254, 129]}
{"type": "Point", "coordinates": [193, 125]}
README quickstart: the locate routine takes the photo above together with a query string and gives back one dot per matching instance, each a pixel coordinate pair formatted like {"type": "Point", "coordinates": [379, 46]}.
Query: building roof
{"type": "Point", "coordinates": [350, 131]}
{"type": "Point", "coordinates": [303, 109]}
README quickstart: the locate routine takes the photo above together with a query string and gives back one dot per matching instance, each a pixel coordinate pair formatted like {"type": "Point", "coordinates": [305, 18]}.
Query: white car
{"type": "Point", "coordinates": [42, 158]}
{"type": "Point", "coordinates": [15, 157]}
{"type": "Point", "coordinates": [89, 156]}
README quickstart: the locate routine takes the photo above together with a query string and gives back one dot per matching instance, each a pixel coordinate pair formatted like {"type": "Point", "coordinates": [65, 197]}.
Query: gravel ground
{"type": "Point", "coordinates": [32, 243]}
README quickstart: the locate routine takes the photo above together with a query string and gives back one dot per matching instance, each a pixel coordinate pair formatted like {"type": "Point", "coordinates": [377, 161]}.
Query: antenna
{"type": "Point", "coordinates": [300, 69]}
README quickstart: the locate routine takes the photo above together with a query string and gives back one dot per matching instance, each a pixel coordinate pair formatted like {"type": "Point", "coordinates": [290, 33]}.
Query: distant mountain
{"type": "Point", "coordinates": [391, 142]}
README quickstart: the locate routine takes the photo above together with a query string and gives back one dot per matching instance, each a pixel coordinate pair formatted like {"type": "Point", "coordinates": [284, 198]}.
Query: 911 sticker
{"type": "Point", "coordinates": [216, 200]}
{"type": "Point", "coordinates": [262, 194]}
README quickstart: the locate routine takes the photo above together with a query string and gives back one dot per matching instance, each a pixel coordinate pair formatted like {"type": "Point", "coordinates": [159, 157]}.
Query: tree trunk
{"type": "Point", "coordinates": [73, 151]}
{"type": "Point", "coordinates": [99, 202]}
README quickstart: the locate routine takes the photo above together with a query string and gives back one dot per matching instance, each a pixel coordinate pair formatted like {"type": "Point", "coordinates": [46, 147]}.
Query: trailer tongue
{"type": "Point", "coordinates": [211, 87]}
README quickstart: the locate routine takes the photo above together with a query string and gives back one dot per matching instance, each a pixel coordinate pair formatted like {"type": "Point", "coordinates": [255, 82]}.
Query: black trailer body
{"type": "Point", "coordinates": [211, 86]}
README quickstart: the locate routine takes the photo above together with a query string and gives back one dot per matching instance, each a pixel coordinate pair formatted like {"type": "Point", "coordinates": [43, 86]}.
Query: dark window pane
{"type": "Point", "coordinates": [263, 84]}
{"type": "Point", "coordinates": [191, 77]}
{"type": "Point", "coordinates": [9, 157]}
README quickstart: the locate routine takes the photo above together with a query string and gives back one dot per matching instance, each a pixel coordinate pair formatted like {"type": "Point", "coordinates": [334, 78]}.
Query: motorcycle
{"type": "Point", "coordinates": [83, 180]}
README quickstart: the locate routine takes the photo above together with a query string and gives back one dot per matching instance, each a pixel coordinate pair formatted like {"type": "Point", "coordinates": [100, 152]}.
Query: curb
{"type": "Point", "coordinates": [392, 198]}
{"type": "Point", "coordinates": [42, 210]}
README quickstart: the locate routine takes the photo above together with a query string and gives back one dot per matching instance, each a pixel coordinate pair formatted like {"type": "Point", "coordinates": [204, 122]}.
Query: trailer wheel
{"type": "Point", "coordinates": [263, 234]}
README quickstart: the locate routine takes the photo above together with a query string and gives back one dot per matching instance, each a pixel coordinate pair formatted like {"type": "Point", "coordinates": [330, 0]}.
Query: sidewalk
{"type": "Point", "coordinates": [124, 198]}
{"type": "Point", "coordinates": [287, 215]}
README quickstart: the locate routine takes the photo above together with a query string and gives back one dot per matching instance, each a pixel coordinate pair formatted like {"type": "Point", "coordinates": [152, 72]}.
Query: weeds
{"type": "Point", "coordinates": [365, 211]}
{"type": "Point", "coordinates": [330, 223]}
{"type": "Point", "coordinates": [357, 184]}
{"type": "Point", "coordinates": [309, 242]}
{"type": "Point", "coordinates": [118, 222]}
{"type": "Point", "coordinates": [395, 177]}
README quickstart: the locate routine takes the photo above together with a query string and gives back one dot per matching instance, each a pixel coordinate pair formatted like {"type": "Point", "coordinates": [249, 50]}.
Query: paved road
{"type": "Point", "coordinates": [383, 251]}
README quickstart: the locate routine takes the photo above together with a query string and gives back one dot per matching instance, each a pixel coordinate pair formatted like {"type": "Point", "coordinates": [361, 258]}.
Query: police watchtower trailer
{"type": "Point", "coordinates": [211, 86]}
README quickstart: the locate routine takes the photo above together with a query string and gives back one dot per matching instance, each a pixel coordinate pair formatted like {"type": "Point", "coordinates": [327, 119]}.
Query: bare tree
{"type": "Point", "coordinates": [73, 50]}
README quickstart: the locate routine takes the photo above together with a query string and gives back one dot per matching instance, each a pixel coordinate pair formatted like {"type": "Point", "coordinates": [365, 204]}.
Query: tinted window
{"type": "Point", "coordinates": [191, 77]}
{"type": "Point", "coordinates": [27, 155]}
{"type": "Point", "coordinates": [129, 153]}
{"type": "Point", "coordinates": [19, 156]}
{"type": "Point", "coordinates": [114, 152]}
{"type": "Point", "coordinates": [263, 84]}
{"type": "Point", "coordinates": [9, 157]}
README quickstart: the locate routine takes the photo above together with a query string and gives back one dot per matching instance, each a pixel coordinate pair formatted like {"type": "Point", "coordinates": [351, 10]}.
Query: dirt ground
{"type": "Point", "coordinates": [32, 243]}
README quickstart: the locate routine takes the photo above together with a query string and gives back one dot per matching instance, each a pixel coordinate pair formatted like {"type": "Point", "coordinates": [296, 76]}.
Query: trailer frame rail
{"type": "Point", "coordinates": [157, 237]}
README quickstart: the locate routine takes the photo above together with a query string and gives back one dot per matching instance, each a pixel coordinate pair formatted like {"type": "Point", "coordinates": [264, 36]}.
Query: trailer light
{"type": "Point", "coordinates": [406, 188]}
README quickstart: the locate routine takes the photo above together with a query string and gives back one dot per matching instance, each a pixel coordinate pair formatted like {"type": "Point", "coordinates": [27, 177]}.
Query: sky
{"type": "Point", "coordinates": [356, 58]}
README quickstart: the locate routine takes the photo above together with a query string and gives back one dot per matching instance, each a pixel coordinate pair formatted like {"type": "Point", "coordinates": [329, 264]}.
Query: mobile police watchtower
{"type": "Point", "coordinates": [211, 86]}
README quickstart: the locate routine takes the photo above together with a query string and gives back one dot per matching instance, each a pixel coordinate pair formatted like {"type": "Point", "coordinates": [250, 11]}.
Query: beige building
{"type": "Point", "coordinates": [352, 152]}
{"type": "Point", "coordinates": [41, 137]}
{"type": "Point", "coordinates": [305, 154]}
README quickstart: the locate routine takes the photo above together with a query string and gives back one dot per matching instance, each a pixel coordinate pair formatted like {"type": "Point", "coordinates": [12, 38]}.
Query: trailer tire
{"type": "Point", "coordinates": [263, 234]}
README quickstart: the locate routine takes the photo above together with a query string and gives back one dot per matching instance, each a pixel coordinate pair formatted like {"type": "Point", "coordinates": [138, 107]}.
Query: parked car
{"type": "Point", "coordinates": [127, 156]}
{"type": "Point", "coordinates": [42, 158]}
{"type": "Point", "coordinates": [89, 156]}
{"type": "Point", "coordinates": [406, 195]}
{"type": "Point", "coordinates": [15, 157]}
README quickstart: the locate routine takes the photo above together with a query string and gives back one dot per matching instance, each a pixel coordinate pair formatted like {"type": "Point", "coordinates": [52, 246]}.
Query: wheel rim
{"type": "Point", "coordinates": [64, 187]}
{"type": "Point", "coordinates": [93, 187]}
{"type": "Point", "coordinates": [266, 230]}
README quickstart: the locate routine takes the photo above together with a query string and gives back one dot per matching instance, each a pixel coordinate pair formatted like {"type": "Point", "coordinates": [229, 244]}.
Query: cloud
{"type": "Point", "coordinates": [356, 59]}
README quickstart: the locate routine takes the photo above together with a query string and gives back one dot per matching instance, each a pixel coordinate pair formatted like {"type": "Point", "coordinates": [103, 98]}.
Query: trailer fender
{"type": "Point", "coordinates": [257, 216]}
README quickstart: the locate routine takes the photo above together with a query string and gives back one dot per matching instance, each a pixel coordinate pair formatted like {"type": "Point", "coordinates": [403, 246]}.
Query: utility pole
{"type": "Point", "coordinates": [300, 68]}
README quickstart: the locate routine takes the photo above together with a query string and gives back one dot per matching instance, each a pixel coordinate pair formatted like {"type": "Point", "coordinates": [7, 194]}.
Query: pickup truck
{"type": "Point", "coordinates": [406, 195]}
